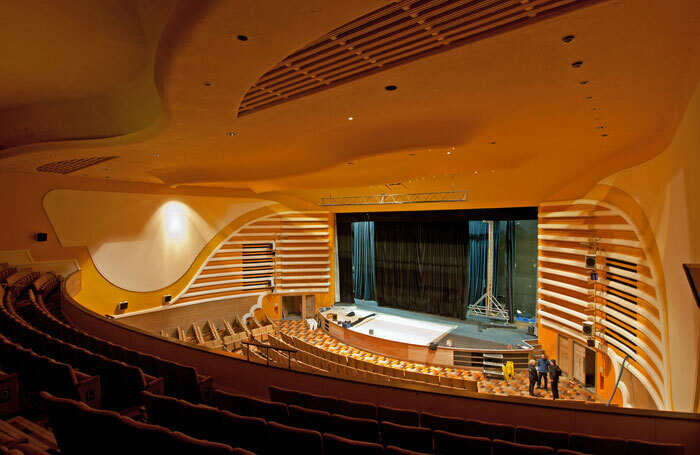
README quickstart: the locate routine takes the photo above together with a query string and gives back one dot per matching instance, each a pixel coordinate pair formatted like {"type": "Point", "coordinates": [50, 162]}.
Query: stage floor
{"type": "Point", "coordinates": [399, 328]}
{"type": "Point", "coordinates": [418, 328]}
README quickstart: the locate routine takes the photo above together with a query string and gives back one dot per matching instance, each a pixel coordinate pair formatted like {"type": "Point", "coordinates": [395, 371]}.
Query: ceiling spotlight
{"type": "Point", "coordinates": [567, 39]}
{"type": "Point", "coordinates": [156, 155]}
{"type": "Point", "coordinates": [583, 82]}
{"type": "Point", "coordinates": [242, 38]}
{"type": "Point", "coordinates": [449, 153]}
{"type": "Point", "coordinates": [230, 133]}
{"type": "Point", "coordinates": [208, 84]}
{"type": "Point", "coordinates": [601, 127]}
{"type": "Point", "coordinates": [476, 172]}
{"type": "Point", "coordinates": [492, 143]}
{"type": "Point", "coordinates": [604, 135]}
{"type": "Point", "coordinates": [390, 88]}
{"type": "Point", "coordinates": [595, 108]}
{"type": "Point", "coordinates": [351, 118]}
{"type": "Point", "coordinates": [597, 118]}
{"type": "Point", "coordinates": [577, 64]}
{"type": "Point", "coordinates": [589, 97]}
{"type": "Point", "coordinates": [351, 163]}
{"type": "Point", "coordinates": [411, 154]}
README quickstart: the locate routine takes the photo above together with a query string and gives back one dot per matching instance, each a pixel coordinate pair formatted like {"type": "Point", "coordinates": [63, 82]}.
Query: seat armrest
{"type": "Point", "coordinates": [89, 391]}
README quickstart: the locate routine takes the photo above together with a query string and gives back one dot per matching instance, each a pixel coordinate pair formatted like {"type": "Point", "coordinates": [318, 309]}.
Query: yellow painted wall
{"type": "Point", "coordinates": [667, 188]}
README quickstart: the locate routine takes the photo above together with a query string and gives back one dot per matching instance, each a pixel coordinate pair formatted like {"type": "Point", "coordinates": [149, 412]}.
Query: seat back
{"type": "Point", "coordinates": [320, 402]}
{"type": "Point", "coordinates": [240, 431]}
{"type": "Point", "coordinates": [455, 444]}
{"type": "Point", "coordinates": [636, 447]}
{"type": "Point", "coordinates": [268, 410]}
{"type": "Point", "coordinates": [162, 410]}
{"type": "Point", "coordinates": [233, 402]}
{"type": "Point", "coordinates": [310, 419]}
{"type": "Point", "coordinates": [411, 438]}
{"type": "Point", "coordinates": [286, 396]}
{"type": "Point", "coordinates": [536, 437]}
{"type": "Point", "coordinates": [357, 409]}
{"type": "Point", "coordinates": [290, 440]}
{"type": "Point", "coordinates": [407, 417]}
{"type": "Point", "coordinates": [491, 430]}
{"type": "Point", "coordinates": [596, 444]}
{"type": "Point", "coordinates": [499, 447]}
{"type": "Point", "coordinates": [333, 444]}
{"type": "Point", "coordinates": [449, 424]}
{"type": "Point", "coordinates": [354, 428]}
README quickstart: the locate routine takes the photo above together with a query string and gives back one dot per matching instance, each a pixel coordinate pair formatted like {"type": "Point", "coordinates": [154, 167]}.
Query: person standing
{"type": "Point", "coordinates": [542, 370]}
{"type": "Point", "coordinates": [532, 370]}
{"type": "Point", "coordinates": [554, 373]}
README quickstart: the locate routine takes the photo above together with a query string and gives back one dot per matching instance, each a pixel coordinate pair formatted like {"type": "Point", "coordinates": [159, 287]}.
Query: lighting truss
{"type": "Point", "coordinates": [405, 198]}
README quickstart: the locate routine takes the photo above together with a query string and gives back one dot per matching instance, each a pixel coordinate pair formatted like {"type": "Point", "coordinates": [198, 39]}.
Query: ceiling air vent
{"type": "Point", "coordinates": [398, 33]}
{"type": "Point", "coordinates": [68, 166]}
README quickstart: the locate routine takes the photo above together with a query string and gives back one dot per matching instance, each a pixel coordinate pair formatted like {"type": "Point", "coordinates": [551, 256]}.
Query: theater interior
{"type": "Point", "coordinates": [321, 227]}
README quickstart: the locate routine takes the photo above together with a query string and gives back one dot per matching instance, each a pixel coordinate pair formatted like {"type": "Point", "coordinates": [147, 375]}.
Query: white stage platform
{"type": "Point", "coordinates": [397, 328]}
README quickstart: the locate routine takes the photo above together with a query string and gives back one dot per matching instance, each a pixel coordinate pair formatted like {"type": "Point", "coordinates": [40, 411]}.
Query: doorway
{"type": "Point", "coordinates": [584, 360]}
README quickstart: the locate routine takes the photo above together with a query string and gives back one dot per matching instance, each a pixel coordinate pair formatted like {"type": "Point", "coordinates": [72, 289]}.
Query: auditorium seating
{"type": "Point", "coordinates": [596, 444]}
{"type": "Point", "coordinates": [289, 440]}
{"type": "Point", "coordinates": [357, 435]}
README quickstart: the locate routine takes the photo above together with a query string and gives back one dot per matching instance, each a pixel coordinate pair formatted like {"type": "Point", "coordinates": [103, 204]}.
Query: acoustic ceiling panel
{"type": "Point", "coordinates": [398, 33]}
{"type": "Point", "coordinates": [68, 166]}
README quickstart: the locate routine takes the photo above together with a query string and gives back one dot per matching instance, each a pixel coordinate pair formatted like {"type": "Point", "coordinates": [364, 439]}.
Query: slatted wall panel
{"type": "Point", "coordinates": [625, 306]}
{"type": "Point", "coordinates": [282, 253]}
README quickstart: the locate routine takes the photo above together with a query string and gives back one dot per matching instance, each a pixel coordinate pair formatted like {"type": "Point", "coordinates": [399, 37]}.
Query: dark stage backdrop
{"type": "Point", "coordinates": [422, 266]}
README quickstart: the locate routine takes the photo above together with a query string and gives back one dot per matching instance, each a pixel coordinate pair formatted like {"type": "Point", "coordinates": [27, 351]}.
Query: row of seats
{"type": "Point", "coordinates": [269, 427]}
{"type": "Point", "coordinates": [179, 380]}
{"type": "Point", "coordinates": [317, 412]}
{"type": "Point", "coordinates": [119, 384]}
{"type": "Point", "coordinates": [350, 366]}
{"type": "Point", "coordinates": [80, 429]}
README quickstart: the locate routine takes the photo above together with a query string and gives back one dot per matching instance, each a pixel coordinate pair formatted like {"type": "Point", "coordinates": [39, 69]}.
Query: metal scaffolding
{"type": "Point", "coordinates": [405, 198]}
{"type": "Point", "coordinates": [488, 305]}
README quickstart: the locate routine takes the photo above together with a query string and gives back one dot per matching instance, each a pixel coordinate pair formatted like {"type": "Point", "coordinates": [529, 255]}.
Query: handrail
{"type": "Point", "coordinates": [267, 353]}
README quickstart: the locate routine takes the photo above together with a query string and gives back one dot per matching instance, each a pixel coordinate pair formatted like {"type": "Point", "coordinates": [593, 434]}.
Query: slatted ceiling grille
{"type": "Point", "coordinates": [628, 312]}
{"type": "Point", "coordinates": [69, 166]}
{"type": "Point", "coordinates": [404, 31]}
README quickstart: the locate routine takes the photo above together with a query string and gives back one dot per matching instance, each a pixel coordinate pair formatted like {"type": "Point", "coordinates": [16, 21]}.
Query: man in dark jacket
{"type": "Point", "coordinates": [532, 370]}
{"type": "Point", "coordinates": [542, 370]}
{"type": "Point", "coordinates": [554, 373]}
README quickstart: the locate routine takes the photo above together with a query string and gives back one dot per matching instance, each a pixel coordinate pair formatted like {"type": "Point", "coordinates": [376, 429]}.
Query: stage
{"type": "Point", "coordinates": [407, 335]}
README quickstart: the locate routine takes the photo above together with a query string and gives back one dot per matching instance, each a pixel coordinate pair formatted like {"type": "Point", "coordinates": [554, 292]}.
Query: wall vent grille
{"type": "Point", "coordinates": [69, 166]}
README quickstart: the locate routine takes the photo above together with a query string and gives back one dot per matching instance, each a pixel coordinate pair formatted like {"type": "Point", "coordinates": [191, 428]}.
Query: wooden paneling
{"type": "Point", "coordinates": [623, 303]}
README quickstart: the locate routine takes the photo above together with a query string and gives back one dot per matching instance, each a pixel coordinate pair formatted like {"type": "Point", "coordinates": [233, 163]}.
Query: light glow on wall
{"type": "Point", "coordinates": [174, 219]}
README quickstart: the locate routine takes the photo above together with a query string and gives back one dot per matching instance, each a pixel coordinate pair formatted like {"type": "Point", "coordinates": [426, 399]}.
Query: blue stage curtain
{"type": "Point", "coordinates": [344, 246]}
{"type": "Point", "coordinates": [478, 258]}
{"type": "Point", "coordinates": [422, 266]}
{"type": "Point", "coordinates": [363, 260]}
{"type": "Point", "coordinates": [510, 268]}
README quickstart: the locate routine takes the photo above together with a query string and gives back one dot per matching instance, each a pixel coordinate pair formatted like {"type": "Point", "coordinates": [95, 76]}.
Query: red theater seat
{"type": "Point", "coordinates": [392, 450]}
{"type": "Point", "coordinates": [269, 410]}
{"type": "Point", "coordinates": [499, 447]}
{"type": "Point", "coordinates": [320, 402]}
{"type": "Point", "coordinates": [411, 438]}
{"type": "Point", "coordinates": [336, 445]}
{"type": "Point", "coordinates": [453, 425]}
{"type": "Point", "coordinates": [286, 396]}
{"type": "Point", "coordinates": [310, 419]}
{"type": "Point", "coordinates": [491, 430]}
{"type": "Point", "coordinates": [534, 437]}
{"type": "Point", "coordinates": [188, 445]}
{"type": "Point", "coordinates": [596, 445]}
{"type": "Point", "coordinates": [233, 402]}
{"type": "Point", "coordinates": [455, 444]}
{"type": "Point", "coordinates": [162, 410]}
{"type": "Point", "coordinates": [282, 439]}
{"type": "Point", "coordinates": [636, 447]}
{"type": "Point", "coordinates": [407, 417]}
{"type": "Point", "coordinates": [200, 421]}
{"type": "Point", "coordinates": [357, 409]}
{"type": "Point", "coordinates": [353, 428]}
{"type": "Point", "coordinates": [240, 431]}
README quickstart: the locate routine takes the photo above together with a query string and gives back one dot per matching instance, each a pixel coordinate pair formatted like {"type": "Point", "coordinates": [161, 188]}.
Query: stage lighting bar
{"type": "Point", "coordinates": [405, 198]}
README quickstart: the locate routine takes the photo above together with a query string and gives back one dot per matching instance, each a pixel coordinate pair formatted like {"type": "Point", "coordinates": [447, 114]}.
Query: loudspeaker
{"type": "Point", "coordinates": [41, 236]}
{"type": "Point", "coordinates": [167, 298]}
{"type": "Point", "coordinates": [590, 262]}
{"type": "Point", "coordinates": [432, 346]}
{"type": "Point", "coordinates": [587, 328]}
{"type": "Point", "coordinates": [123, 305]}
{"type": "Point", "coordinates": [591, 343]}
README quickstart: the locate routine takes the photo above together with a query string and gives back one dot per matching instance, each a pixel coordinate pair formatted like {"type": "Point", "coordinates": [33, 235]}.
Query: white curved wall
{"type": "Point", "coordinates": [141, 242]}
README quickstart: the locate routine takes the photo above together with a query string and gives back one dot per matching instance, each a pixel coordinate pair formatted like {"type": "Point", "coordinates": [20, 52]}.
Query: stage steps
{"type": "Point", "coordinates": [493, 365]}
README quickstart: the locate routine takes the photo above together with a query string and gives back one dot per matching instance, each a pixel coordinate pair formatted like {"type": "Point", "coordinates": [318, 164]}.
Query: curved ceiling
{"type": "Point", "coordinates": [158, 84]}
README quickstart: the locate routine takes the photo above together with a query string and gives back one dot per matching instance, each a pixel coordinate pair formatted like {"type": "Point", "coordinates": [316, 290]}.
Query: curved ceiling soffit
{"type": "Point", "coordinates": [125, 113]}
{"type": "Point", "coordinates": [398, 33]}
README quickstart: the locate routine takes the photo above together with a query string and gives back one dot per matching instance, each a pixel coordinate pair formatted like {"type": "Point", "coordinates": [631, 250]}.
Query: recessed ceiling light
{"type": "Point", "coordinates": [242, 38]}
{"type": "Point", "coordinates": [351, 118]}
{"type": "Point", "coordinates": [589, 97]}
{"type": "Point", "coordinates": [604, 135]}
{"type": "Point", "coordinates": [601, 127]}
{"type": "Point", "coordinates": [597, 118]}
{"type": "Point", "coordinates": [351, 163]}
{"type": "Point", "coordinates": [476, 172]}
{"type": "Point", "coordinates": [411, 154]}
{"type": "Point", "coordinates": [390, 88]}
{"type": "Point", "coordinates": [105, 169]}
{"type": "Point", "coordinates": [577, 64]}
{"type": "Point", "coordinates": [595, 108]}
{"type": "Point", "coordinates": [567, 39]}
{"type": "Point", "coordinates": [156, 155]}
{"type": "Point", "coordinates": [492, 143]}
{"type": "Point", "coordinates": [449, 153]}
{"type": "Point", "coordinates": [230, 133]}
{"type": "Point", "coordinates": [583, 82]}
{"type": "Point", "coordinates": [208, 84]}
